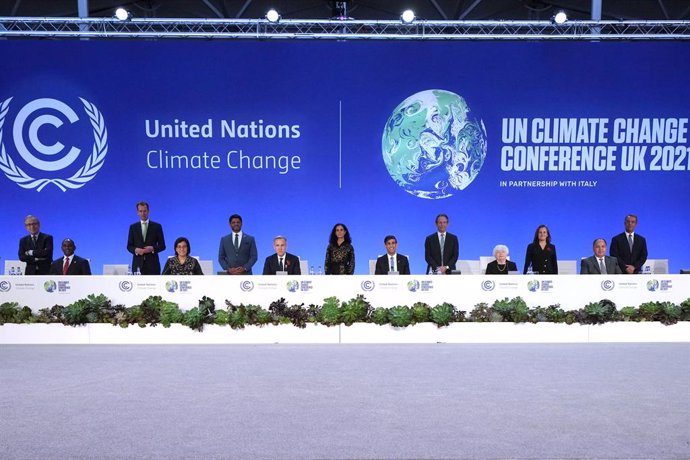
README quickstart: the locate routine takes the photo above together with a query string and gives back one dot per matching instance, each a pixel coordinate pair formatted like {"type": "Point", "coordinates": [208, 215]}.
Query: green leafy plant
{"type": "Point", "coordinates": [10, 312]}
{"type": "Point", "coordinates": [597, 312]}
{"type": "Point", "coordinates": [665, 312]}
{"type": "Point", "coordinates": [483, 313]}
{"type": "Point", "coordinates": [685, 310]}
{"type": "Point", "coordinates": [203, 314]}
{"type": "Point", "coordinates": [420, 312]}
{"type": "Point", "coordinates": [442, 314]}
{"type": "Point", "coordinates": [512, 310]}
{"type": "Point", "coordinates": [357, 310]}
{"type": "Point", "coordinates": [400, 316]}
{"type": "Point", "coordinates": [330, 311]}
{"type": "Point", "coordinates": [88, 310]}
{"type": "Point", "coordinates": [379, 316]}
{"type": "Point", "coordinates": [628, 314]}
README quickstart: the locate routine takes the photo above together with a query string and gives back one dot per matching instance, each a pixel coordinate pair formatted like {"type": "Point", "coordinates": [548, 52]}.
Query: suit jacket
{"type": "Point", "coordinates": [492, 268]}
{"type": "Point", "coordinates": [291, 265]}
{"type": "Point", "coordinates": [39, 262]}
{"type": "Point", "coordinates": [383, 265]}
{"type": "Point", "coordinates": [620, 249]}
{"type": "Point", "coordinates": [245, 256]}
{"type": "Point", "coordinates": [148, 264]}
{"type": "Point", "coordinates": [543, 261]}
{"type": "Point", "coordinates": [77, 266]}
{"type": "Point", "coordinates": [590, 266]}
{"type": "Point", "coordinates": [432, 252]}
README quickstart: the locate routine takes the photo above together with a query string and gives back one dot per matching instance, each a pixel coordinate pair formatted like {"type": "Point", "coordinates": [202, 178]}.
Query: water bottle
{"type": "Point", "coordinates": [12, 272]}
{"type": "Point", "coordinates": [319, 272]}
{"type": "Point", "coordinates": [311, 270]}
{"type": "Point", "coordinates": [529, 270]}
{"type": "Point", "coordinates": [138, 271]}
{"type": "Point", "coordinates": [129, 270]}
{"type": "Point", "coordinates": [18, 271]}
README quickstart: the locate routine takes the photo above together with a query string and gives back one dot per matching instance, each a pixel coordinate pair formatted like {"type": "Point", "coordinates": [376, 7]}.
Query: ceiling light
{"type": "Point", "coordinates": [560, 17]}
{"type": "Point", "coordinates": [407, 16]}
{"type": "Point", "coordinates": [272, 15]}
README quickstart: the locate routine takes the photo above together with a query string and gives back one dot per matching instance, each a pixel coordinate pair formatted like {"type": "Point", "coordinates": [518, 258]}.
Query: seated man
{"type": "Point", "coordinates": [70, 264]}
{"type": "Point", "coordinates": [600, 263]}
{"type": "Point", "coordinates": [392, 262]}
{"type": "Point", "coordinates": [281, 261]}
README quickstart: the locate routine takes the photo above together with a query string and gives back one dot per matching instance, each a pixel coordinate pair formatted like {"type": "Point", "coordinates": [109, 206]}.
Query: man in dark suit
{"type": "Point", "coordinates": [441, 248]}
{"type": "Point", "coordinates": [237, 253]}
{"type": "Point", "coordinates": [70, 264]}
{"type": "Point", "coordinates": [392, 261]}
{"type": "Point", "coordinates": [600, 263]}
{"type": "Point", "coordinates": [145, 241]}
{"type": "Point", "coordinates": [36, 249]}
{"type": "Point", "coordinates": [629, 248]}
{"type": "Point", "coordinates": [281, 261]}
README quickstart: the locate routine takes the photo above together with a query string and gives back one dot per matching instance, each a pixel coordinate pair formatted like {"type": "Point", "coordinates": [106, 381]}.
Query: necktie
{"type": "Point", "coordinates": [144, 229]}
{"type": "Point", "coordinates": [630, 241]}
{"type": "Point", "coordinates": [65, 267]}
{"type": "Point", "coordinates": [392, 264]}
{"type": "Point", "coordinates": [443, 245]}
{"type": "Point", "coordinates": [33, 240]}
{"type": "Point", "coordinates": [237, 242]}
{"type": "Point", "coordinates": [602, 266]}
{"type": "Point", "coordinates": [280, 264]}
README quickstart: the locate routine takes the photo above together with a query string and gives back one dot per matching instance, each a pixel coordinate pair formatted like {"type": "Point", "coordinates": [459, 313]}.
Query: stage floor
{"type": "Point", "coordinates": [536, 401]}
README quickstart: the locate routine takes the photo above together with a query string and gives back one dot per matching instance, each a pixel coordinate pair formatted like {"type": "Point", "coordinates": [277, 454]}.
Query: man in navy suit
{"type": "Point", "coordinates": [441, 248]}
{"type": "Point", "coordinates": [281, 261]}
{"type": "Point", "coordinates": [145, 241]}
{"type": "Point", "coordinates": [629, 247]}
{"type": "Point", "coordinates": [592, 265]}
{"type": "Point", "coordinates": [70, 264]}
{"type": "Point", "coordinates": [237, 253]}
{"type": "Point", "coordinates": [36, 248]}
{"type": "Point", "coordinates": [392, 261]}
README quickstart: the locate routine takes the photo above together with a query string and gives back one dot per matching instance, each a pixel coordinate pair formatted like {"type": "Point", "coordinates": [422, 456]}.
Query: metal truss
{"type": "Point", "coordinates": [341, 29]}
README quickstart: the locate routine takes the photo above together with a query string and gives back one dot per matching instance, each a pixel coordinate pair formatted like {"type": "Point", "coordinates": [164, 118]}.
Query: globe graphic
{"type": "Point", "coordinates": [430, 147]}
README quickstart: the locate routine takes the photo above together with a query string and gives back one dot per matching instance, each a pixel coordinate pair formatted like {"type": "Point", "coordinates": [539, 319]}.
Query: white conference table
{"type": "Point", "coordinates": [464, 291]}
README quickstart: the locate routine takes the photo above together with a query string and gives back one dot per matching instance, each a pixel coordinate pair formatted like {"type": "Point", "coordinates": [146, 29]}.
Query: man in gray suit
{"type": "Point", "coordinates": [237, 254]}
{"type": "Point", "coordinates": [600, 263]}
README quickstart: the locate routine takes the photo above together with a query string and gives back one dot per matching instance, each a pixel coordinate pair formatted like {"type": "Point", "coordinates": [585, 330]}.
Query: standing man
{"type": "Point", "coordinates": [237, 253]}
{"type": "Point", "coordinates": [629, 247]}
{"type": "Point", "coordinates": [441, 248]}
{"type": "Point", "coordinates": [600, 263]}
{"type": "Point", "coordinates": [281, 261]}
{"type": "Point", "coordinates": [392, 261]}
{"type": "Point", "coordinates": [145, 241]}
{"type": "Point", "coordinates": [70, 264]}
{"type": "Point", "coordinates": [36, 249]}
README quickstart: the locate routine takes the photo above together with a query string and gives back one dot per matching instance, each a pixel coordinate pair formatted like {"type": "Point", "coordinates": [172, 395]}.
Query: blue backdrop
{"type": "Point", "coordinates": [289, 135]}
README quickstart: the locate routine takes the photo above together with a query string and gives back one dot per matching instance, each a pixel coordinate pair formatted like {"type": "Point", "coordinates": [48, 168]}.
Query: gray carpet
{"type": "Point", "coordinates": [335, 401]}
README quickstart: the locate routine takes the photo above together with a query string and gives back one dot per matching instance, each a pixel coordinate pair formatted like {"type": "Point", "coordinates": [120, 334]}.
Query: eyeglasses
{"type": "Point", "coordinates": [31, 224]}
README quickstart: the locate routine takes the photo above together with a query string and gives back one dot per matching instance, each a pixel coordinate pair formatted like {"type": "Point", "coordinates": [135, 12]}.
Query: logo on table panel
{"type": "Point", "coordinates": [653, 285]}
{"type": "Point", "coordinates": [607, 285]}
{"type": "Point", "coordinates": [488, 285]}
{"type": "Point", "coordinates": [32, 152]}
{"type": "Point", "coordinates": [171, 286]}
{"type": "Point", "coordinates": [292, 286]}
{"type": "Point", "coordinates": [5, 286]}
{"type": "Point", "coordinates": [430, 146]}
{"type": "Point", "coordinates": [246, 286]}
{"type": "Point", "coordinates": [125, 286]}
{"type": "Point", "coordinates": [50, 286]}
{"type": "Point", "coordinates": [413, 286]}
{"type": "Point", "coordinates": [368, 285]}
{"type": "Point", "coordinates": [533, 286]}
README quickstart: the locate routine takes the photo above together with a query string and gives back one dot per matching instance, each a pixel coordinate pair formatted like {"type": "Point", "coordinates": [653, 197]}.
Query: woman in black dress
{"type": "Point", "coordinates": [340, 255]}
{"type": "Point", "coordinates": [182, 263]}
{"type": "Point", "coordinates": [541, 254]}
{"type": "Point", "coordinates": [500, 266]}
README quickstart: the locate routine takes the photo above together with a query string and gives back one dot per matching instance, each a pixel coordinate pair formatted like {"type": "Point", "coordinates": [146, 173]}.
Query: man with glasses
{"type": "Point", "coordinates": [36, 249]}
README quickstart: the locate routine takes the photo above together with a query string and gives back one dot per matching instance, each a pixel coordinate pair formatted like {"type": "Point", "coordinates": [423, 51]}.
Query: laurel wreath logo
{"type": "Point", "coordinates": [78, 179]}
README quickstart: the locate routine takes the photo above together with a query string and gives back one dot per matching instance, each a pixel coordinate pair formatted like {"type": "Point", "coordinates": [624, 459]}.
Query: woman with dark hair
{"type": "Point", "coordinates": [541, 254]}
{"type": "Point", "coordinates": [182, 263]}
{"type": "Point", "coordinates": [340, 255]}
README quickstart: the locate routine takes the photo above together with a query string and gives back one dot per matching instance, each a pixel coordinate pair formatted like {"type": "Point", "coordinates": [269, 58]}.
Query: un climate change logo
{"type": "Point", "coordinates": [430, 146]}
{"type": "Point", "coordinates": [45, 154]}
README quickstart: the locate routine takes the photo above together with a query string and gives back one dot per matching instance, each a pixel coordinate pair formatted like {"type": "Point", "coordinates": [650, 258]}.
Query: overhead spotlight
{"type": "Point", "coordinates": [560, 17]}
{"type": "Point", "coordinates": [122, 14]}
{"type": "Point", "coordinates": [407, 16]}
{"type": "Point", "coordinates": [272, 15]}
